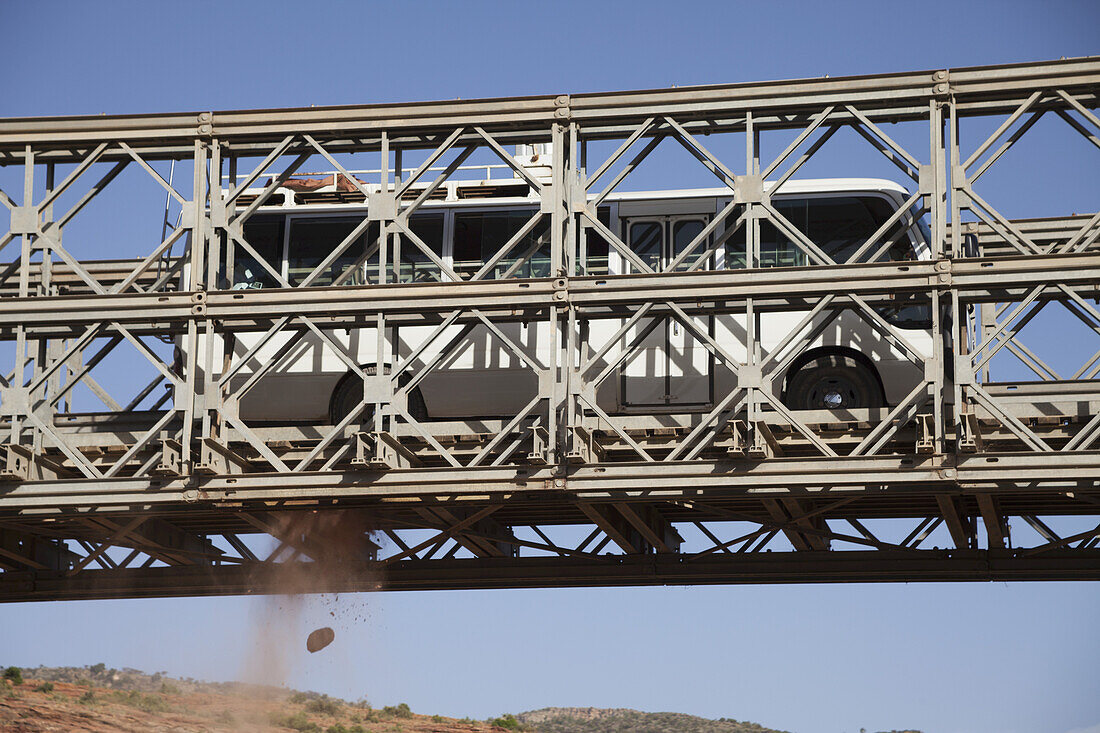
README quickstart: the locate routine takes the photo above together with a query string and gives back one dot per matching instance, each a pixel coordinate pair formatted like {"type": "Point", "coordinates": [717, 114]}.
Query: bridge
{"type": "Point", "coordinates": [165, 490]}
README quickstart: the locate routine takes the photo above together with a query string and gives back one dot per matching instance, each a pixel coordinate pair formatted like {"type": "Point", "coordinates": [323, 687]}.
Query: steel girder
{"type": "Point", "coordinates": [171, 492]}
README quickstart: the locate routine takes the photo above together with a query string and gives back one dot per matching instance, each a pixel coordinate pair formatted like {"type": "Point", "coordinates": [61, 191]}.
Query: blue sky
{"type": "Point", "coordinates": [812, 659]}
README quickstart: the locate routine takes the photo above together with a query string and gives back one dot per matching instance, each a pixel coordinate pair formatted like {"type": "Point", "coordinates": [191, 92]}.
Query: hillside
{"type": "Point", "coordinates": [96, 699]}
{"type": "Point", "coordinates": [619, 720]}
{"type": "Point", "coordinates": [100, 700]}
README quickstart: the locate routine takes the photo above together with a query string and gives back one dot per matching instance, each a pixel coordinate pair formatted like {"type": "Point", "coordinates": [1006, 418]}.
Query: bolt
{"type": "Point", "coordinates": [559, 295]}
{"type": "Point", "coordinates": [204, 129]}
{"type": "Point", "coordinates": [559, 483]}
{"type": "Point", "coordinates": [941, 89]}
{"type": "Point", "coordinates": [205, 116]}
{"type": "Point", "coordinates": [939, 75]}
{"type": "Point", "coordinates": [562, 100]}
{"type": "Point", "coordinates": [944, 277]}
{"type": "Point", "coordinates": [561, 112]}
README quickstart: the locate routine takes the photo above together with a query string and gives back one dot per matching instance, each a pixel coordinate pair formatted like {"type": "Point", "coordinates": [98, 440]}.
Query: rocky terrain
{"type": "Point", "coordinates": [100, 700]}
{"type": "Point", "coordinates": [96, 699]}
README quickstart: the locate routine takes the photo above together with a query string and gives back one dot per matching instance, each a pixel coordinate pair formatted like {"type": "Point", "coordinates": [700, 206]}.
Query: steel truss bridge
{"type": "Point", "coordinates": [167, 491]}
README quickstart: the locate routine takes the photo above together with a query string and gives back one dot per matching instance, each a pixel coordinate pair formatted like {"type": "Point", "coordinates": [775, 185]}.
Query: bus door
{"type": "Point", "coordinates": [672, 368]}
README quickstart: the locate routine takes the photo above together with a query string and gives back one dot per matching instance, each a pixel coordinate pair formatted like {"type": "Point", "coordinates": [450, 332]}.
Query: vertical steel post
{"type": "Point", "coordinates": [383, 237]}
{"type": "Point", "coordinates": [752, 260]}
{"type": "Point", "coordinates": [559, 245]}
{"type": "Point", "coordinates": [572, 186]}
{"type": "Point", "coordinates": [198, 288]}
{"type": "Point", "coordinates": [211, 397]}
{"type": "Point", "coordinates": [937, 211]}
{"type": "Point", "coordinates": [959, 315]}
{"type": "Point", "coordinates": [19, 379]}
{"type": "Point", "coordinates": [47, 349]}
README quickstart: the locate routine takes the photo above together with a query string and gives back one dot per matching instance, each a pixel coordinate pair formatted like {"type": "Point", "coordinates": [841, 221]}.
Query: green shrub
{"type": "Point", "coordinates": [88, 698]}
{"type": "Point", "coordinates": [14, 675]}
{"type": "Point", "coordinates": [84, 682]}
{"type": "Point", "coordinates": [167, 688]}
{"type": "Point", "coordinates": [397, 711]}
{"type": "Point", "coordinates": [298, 698]}
{"type": "Point", "coordinates": [225, 717]}
{"type": "Point", "coordinates": [298, 721]}
{"type": "Point", "coordinates": [437, 718]}
{"type": "Point", "coordinates": [506, 721]}
{"type": "Point", "coordinates": [336, 728]}
{"type": "Point", "coordinates": [324, 705]}
{"type": "Point", "coordinates": [44, 687]}
{"type": "Point", "coordinates": [98, 669]}
{"type": "Point", "coordinates": [148, 702]}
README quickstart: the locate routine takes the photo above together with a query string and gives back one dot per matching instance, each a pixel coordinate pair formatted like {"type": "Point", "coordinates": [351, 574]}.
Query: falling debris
{"type": "Point", "coordinates": [319, 639]}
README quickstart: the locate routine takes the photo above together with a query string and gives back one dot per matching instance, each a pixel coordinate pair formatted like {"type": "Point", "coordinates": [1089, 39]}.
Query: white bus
{"type": "Point", "coordinates": [848, 365]}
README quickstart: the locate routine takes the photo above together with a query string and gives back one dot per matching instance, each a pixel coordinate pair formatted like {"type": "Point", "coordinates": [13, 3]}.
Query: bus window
{"type": "Point", "coordinates": [265, 234]}
{"type": "Point", "coordinates": [593, 256]}
{"type": "Point", "coordinates": [838, 225]}
{"type": "Point", "coordinates": [684, 233]}
{"type": "Point", "coordinates": [644, 240]}
{"type": "Point", "coordinates": [479, 235]}
{"type": "Point", "coordinates": [734, 243]}
{"type": "Point", "coordinates": [313, 240]}
{"type": "Point", "coordinates": [659, 240]}
{"type": "Point", "coordinates": [415, 265]}
{"type": "Point", "coordinates": [841, 225]}
{"type": "Point", "coordinates": [776, 248]}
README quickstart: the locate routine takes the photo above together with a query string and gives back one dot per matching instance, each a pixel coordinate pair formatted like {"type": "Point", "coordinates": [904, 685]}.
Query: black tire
{"type": "Point", "coordinates": [833, 383]}
{"type": "Point", "coordinates": [349, 392]}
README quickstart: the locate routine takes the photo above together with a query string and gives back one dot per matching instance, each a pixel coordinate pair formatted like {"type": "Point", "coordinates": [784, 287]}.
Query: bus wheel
{"type": "Point", "coordinates": [832, 383]}
{"type": "Point", "coordinates": [349, 392]}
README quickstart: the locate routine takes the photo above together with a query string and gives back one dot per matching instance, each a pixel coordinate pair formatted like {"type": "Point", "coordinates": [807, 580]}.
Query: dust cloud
{"type": "Point", "coordinates": [323, 551]}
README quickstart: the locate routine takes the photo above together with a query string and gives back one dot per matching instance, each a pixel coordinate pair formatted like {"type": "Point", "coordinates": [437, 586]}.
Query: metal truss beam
{"type": "Point", "coordinates": [985, 90]}
{"type": "Point", "coordinates": [501, 573]}
{"type": "Point", "coordinates": [976, 280]}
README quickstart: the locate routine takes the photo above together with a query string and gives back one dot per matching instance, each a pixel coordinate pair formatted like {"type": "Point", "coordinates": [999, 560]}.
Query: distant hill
{"type": "Point", "coordinates": [621, 720]}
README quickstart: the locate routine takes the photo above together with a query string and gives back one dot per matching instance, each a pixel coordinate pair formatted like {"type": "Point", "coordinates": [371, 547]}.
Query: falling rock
{"type": "Point", "coordinates": [319, 639]}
